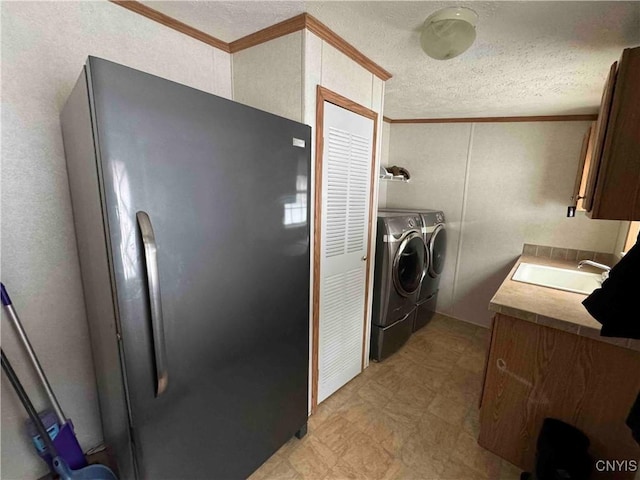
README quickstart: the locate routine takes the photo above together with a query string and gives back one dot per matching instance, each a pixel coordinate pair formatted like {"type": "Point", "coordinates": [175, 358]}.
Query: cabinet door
{"type": "Point", "coordinates": [584, 165]}
{"type": "Point", "coordinates": [617, 187]}
{"type": "Point", "coordinates": [599, 137]}
{"type": "Point", "coordinates": [535, 372]}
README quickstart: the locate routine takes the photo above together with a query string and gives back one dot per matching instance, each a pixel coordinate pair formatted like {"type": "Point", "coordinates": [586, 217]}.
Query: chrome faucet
{"type": "Point", "coordinates": [601, 266]}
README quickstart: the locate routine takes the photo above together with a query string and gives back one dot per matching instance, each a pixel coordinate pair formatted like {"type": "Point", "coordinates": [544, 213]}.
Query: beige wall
{"type": "Point", "coordinates": [269, 76]}
{"type": "Point", "coordinates": [621, 239]}
{"type": "Point", "coordinates": [500, 185]}
{"type": "Point", "coordinates": [384, 160]}
{"type": "Point", "coordinates": [44, 46]}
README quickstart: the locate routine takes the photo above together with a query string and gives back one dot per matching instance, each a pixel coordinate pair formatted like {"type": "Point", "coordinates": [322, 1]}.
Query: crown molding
{"type": "Point", "coordinates": [320, 29]}
{"type": "Point", "coordinates": [300, 22]}
{"type": "Point", "coordinates": [145, 11]}
{"type": "Point", "coordinates": [539, 118]}
{"type": "Point", "coordinates": [294, 24]}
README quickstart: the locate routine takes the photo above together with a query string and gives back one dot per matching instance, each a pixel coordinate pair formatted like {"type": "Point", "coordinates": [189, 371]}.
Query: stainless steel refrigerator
{"type": "Point", "coordinates": [192, 224]}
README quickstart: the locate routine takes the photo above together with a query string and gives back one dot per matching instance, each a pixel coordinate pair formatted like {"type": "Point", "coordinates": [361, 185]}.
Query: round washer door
{"type": "Point", "coordinates": [408, 264]}
{"type": "Point", "coordinates": [438, 250]}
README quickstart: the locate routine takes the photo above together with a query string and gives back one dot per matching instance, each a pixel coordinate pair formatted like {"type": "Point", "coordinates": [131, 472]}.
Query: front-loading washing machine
{"type": "Point", "coordinates": [434, 235]}
{"type": "Point", "coordinates": [399, 269]}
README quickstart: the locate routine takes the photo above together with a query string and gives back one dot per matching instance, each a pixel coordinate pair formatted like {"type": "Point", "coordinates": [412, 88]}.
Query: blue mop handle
{"type": "Point", "coordinates": [13, 316]}
{"type": "Point", "coordinates": [26, 402]}
{"type": "Point", "coordinates": [6, 300]}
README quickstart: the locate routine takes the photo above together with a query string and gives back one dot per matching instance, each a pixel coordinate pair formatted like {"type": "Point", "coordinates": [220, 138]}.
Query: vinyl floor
{"type": "Point", "coordinates": [413, 416]}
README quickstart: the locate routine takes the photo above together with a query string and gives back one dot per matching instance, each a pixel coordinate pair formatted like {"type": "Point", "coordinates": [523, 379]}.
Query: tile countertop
{"type": "Point", "coordinates": [550, 307]}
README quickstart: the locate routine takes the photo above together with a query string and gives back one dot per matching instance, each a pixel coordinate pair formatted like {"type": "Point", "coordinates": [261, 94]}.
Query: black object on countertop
{"type": "Point", "coordinates": [616, 305]}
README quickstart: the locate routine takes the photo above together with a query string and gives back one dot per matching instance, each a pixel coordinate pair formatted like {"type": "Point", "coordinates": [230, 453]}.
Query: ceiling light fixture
{"type": "Point", "coordinates": [448, 32]}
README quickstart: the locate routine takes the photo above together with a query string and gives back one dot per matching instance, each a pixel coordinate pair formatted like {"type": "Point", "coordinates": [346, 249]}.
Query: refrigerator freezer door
{"type": "Point", "coordinates": [226, 190]}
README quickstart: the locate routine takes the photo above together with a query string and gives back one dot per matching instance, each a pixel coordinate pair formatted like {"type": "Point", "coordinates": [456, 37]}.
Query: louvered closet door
{"type": "Point", "coordinates": [346, 184]}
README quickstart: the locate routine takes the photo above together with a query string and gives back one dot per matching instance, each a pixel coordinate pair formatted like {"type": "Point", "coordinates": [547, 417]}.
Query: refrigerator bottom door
{"type": "Point", "coordinates": [229, 423]}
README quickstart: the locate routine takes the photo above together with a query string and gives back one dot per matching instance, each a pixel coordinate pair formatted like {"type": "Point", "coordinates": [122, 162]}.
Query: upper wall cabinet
{"type": "Point", "coordinates": [608, 182]}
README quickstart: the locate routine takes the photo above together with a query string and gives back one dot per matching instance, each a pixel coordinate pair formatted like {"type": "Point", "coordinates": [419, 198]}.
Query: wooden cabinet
{"type": "Point", "coordinates": [534, 372]}
{"type": "Point", "coordinates": [609, 170]}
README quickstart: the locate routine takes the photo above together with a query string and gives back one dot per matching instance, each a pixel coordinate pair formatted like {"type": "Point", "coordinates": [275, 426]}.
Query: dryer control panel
{"type": "Point", "coordinates": [432, 218]}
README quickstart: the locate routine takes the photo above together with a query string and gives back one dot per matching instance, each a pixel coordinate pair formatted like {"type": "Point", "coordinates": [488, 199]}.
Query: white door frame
{"type": "Point", "coordinates": [326, 95]}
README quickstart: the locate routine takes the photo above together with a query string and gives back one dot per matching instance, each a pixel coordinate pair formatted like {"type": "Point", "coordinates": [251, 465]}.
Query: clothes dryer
{"type": "Point", "coordinates": [435, 238]}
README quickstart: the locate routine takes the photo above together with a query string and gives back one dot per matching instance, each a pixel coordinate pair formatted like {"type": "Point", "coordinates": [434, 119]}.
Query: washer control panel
{"type": "Point", "coordinates": [398, 225]}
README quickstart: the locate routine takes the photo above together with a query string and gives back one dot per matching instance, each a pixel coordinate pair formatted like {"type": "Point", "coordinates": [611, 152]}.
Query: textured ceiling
{"type": "Point", "coordinates": [229, 20]}
{"type": "Point", "coordinates": [529, 58]}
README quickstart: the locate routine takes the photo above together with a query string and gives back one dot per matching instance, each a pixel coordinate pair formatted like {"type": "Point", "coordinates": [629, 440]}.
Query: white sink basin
{"type": "Point", "coordinates": [559, 278]}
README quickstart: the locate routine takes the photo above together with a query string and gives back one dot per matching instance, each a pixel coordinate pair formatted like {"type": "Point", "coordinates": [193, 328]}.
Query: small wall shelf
{"type": "Point", "coordinates": [398, 178]}
{"type": "Point", "coordinates": [386, 175]}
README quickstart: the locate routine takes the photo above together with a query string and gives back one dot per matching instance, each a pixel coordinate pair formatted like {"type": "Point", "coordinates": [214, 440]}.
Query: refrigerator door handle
{"type": "Point", "coordinates": [153, 278]}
